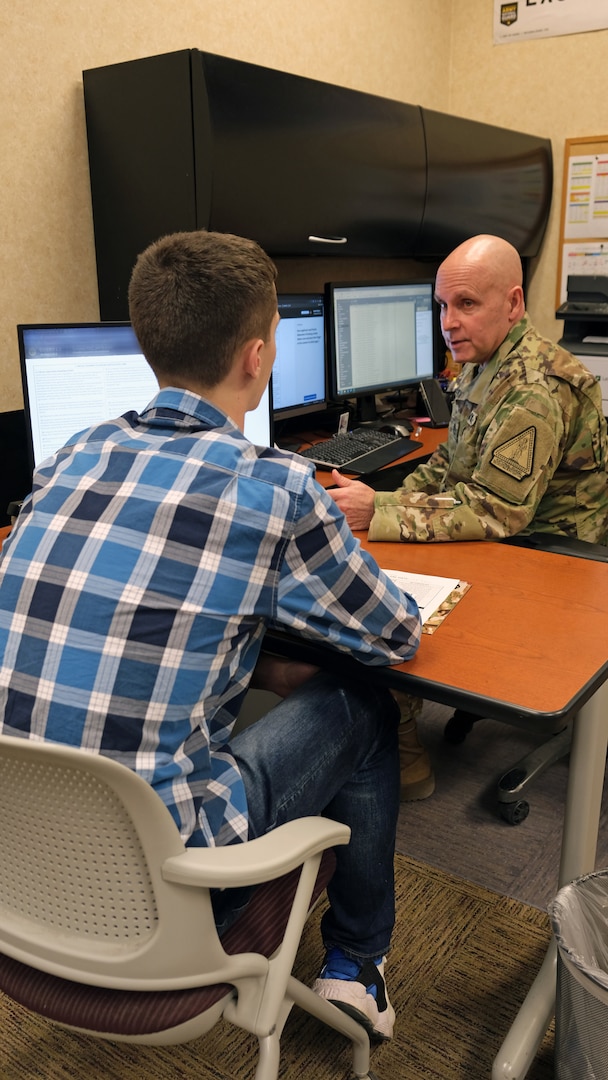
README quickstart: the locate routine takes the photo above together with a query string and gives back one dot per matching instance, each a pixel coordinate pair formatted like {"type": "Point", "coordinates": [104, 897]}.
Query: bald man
{"type": "Point", "coordinates": [526, 448]}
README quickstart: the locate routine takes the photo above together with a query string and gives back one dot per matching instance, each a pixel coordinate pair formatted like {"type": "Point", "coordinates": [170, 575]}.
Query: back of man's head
{"type": "Point", "coordinates": [195, 298]}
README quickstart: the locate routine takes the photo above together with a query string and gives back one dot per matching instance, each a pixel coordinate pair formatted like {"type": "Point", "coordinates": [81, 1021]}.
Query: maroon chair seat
{"type": "Point", "coordinates": [259, 929]}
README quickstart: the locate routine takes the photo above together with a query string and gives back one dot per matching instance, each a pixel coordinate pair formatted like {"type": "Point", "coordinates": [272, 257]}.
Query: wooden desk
{"type": "Point", "coordinates": [528, 642]}
{"type": "Point", "coordinates": [515, 642]}
{"type": "Point", "coordinates": [530, 639]}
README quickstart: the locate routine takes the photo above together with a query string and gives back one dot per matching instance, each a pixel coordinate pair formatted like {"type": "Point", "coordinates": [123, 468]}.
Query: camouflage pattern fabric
{"type": "Point", "coordinates": [526, 452]}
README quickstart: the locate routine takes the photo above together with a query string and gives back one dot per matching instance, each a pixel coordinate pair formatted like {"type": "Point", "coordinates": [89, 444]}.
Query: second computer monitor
{"type": "Point", "coordinates": [299, 377]}
{"type": "Point", "coordinates": [381, 337]}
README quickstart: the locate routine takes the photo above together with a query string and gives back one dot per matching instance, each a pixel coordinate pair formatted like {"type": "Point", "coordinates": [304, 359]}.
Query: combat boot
{"type": "Point", "coordinates": [417, 777]}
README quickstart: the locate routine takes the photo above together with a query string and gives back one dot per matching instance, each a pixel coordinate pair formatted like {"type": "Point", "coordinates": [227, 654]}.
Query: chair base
{"type": "Point", "coordinates": [511, 805]}
{"type": "Point", "coordinates": [513, 809]}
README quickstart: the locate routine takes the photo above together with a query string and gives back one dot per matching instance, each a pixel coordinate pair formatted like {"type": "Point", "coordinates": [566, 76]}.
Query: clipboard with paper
{"type": "Point", "coordinates": [435, 596]}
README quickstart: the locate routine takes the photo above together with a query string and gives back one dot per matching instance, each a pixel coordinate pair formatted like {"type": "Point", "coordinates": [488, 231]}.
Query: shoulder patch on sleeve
{"type": "Point", "coordinates": [515, 456]}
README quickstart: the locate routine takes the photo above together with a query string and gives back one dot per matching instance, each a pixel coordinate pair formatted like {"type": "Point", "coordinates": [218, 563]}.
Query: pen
{"type": "Point", "coordinates": [444, 501]}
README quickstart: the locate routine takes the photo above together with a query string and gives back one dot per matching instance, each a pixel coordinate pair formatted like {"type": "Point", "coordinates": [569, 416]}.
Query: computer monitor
{"type": "Point", "coordinates": [78, 374]}
{"type": "Point", "coordinates": [382, 336]}
{"type": "Point", "coordinates": [299, 375]}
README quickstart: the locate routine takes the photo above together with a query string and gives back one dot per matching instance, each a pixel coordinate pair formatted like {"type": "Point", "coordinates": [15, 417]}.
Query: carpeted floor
{"type": "Point", "coordinates": [462, 960]}
{"type": "Point", "coordinates": [459, 829]}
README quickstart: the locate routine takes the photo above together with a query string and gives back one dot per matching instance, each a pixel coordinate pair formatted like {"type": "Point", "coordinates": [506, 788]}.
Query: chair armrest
{"type": "Point", "coordinates": [263, 859]}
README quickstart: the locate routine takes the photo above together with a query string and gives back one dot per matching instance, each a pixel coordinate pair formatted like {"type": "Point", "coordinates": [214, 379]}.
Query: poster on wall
{"type": "Point", "coordinates": [523, 20]}
{"type": "Point", "coordinates": [583, 239]}
{"type": "Point", "coordinates": [587, 196]}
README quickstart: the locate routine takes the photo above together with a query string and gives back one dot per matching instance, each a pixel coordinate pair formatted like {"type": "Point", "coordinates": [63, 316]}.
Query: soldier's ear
{"type": "Point", "coordinates": [515, 298]}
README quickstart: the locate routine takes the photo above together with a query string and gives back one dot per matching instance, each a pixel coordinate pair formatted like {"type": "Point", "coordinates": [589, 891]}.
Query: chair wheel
{"type": "Point", "coordinates": [514, 812]}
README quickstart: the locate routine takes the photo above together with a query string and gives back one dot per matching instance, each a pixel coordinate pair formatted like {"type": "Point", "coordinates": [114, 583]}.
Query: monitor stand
{"type": "Point", "coordinates": [365, 409]}
{"type": "Point", "coordinates": [367, 413]}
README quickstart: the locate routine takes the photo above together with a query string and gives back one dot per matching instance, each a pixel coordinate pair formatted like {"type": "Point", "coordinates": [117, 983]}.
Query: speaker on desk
{"type": "Point", "coordinates": [433, 402]}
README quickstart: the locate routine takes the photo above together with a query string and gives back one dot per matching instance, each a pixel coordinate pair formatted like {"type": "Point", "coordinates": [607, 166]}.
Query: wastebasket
{"type": "Point", "coordinates": [579, 916]}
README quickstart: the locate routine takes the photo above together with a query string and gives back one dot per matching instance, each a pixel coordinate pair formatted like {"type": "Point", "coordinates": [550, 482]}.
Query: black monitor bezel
{"type": "Point", "coordinates": [395, 385]}
{"type": "Point", "coordinates": [306, 408]}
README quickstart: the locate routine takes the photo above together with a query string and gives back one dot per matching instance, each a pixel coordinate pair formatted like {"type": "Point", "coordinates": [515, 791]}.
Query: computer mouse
{"type": "Point", "coordinates": [403, 429]}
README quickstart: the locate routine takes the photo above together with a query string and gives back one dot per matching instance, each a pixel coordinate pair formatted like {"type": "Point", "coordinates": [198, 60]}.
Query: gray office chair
{"type": "Point", "coordinates": [513, 785]}
{"type": "Point", "coordinates": [106, 921]}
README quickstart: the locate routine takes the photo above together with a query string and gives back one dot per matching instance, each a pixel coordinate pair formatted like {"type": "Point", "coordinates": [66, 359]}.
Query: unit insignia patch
{"type": "Point", "coordinates": [515, 456]}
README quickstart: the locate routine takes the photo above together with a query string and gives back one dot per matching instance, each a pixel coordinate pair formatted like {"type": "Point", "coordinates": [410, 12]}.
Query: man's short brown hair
{"type": "Point", "coordinates": [195, 298]}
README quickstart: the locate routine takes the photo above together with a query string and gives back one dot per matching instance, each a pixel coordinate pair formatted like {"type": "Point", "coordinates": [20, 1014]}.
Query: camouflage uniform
{"type": "Point", "coordinates": [526, 452]}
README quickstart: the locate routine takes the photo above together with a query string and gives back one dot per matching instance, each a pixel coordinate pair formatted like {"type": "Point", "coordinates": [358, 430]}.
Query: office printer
{"type": "Point", "coordinates": [585, 315]}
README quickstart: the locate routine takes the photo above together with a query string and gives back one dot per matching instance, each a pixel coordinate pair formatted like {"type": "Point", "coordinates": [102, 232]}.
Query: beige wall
{"type": "Point", "coordinates": [437, 53]}
{"type": "Point", "coordinates": [557, 87]}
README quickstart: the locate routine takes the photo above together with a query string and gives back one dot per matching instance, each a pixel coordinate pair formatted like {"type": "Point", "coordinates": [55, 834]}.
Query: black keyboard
{"type": "Point", "coordinates": [360, 451]}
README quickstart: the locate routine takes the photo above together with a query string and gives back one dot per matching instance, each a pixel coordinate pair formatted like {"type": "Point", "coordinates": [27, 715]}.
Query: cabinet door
{"type": "Point", "coordinates": [141, 162]}
{"type": "Point", "coordinates": [191, 140]}
{"type": "Point", "coordinates": [293, 158]}
{"type": "Point", "coordinates": [484, 179]}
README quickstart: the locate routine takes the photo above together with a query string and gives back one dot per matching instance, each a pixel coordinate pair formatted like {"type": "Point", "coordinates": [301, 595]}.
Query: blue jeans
{"type": "Point", "coordinates": [332, 749]}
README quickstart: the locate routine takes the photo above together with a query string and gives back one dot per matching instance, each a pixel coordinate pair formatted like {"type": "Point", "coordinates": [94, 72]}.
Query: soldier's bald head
{"type": "Point", "coordinates": [490, 257]}
{"type": "Point", "coordinates": [480, 296]}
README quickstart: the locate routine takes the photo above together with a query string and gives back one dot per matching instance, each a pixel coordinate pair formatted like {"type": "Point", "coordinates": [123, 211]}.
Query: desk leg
{"type": "Point", "coordinates": [585, 785]}
{"type": "Point", "coordinates": [579, 843]}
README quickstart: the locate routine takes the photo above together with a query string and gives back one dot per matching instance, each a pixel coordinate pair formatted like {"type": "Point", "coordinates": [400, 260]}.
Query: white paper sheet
{"type": "Point", "coordinates": [428, 591]}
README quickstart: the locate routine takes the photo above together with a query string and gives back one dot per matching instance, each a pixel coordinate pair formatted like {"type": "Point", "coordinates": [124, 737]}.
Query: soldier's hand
{"type": "Point", "coordinates": [355, 499]}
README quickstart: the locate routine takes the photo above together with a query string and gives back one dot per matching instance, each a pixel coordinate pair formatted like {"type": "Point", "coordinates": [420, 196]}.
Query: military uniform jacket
{"type": "Point", "coordinates": [526, 452]}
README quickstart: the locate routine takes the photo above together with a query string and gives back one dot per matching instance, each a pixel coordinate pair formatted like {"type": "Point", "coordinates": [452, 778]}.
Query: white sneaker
{"type": "Point", "coordinates": [358, 990]}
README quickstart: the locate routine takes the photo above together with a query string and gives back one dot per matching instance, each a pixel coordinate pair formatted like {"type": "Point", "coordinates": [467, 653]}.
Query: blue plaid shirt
{"type": "Point", "coordinates": [137, 584]}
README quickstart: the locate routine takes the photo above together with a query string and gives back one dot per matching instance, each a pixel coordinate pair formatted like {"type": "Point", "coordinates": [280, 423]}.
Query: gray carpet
{"type": "Point", "coordinates": [459, 829]}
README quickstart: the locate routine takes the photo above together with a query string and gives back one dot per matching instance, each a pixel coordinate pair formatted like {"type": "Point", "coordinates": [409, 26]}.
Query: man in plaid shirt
{"type": "Point", "coordinates": [140, 578]}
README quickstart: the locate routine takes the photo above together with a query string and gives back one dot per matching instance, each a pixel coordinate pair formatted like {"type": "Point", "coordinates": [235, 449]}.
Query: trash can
{"type": "Point", "coordinates": [579, 916]}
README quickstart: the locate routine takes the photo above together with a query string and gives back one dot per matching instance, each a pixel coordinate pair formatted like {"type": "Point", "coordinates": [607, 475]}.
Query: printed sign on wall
{"type": "Point", "coordinates": [522, 20]}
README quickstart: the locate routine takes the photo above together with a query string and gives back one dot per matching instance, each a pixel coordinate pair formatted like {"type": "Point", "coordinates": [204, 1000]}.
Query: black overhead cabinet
{"type": "Point", "coordinates": [303, 166]}
{"type": "Point", "coordinates": [191, 140]}
{"type": "Point", "coordinates": [483, 179]}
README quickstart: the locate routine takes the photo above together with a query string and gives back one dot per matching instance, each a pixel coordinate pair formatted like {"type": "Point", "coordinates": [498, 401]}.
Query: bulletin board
{"type": "Point", "coordinates": [583, 242]}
